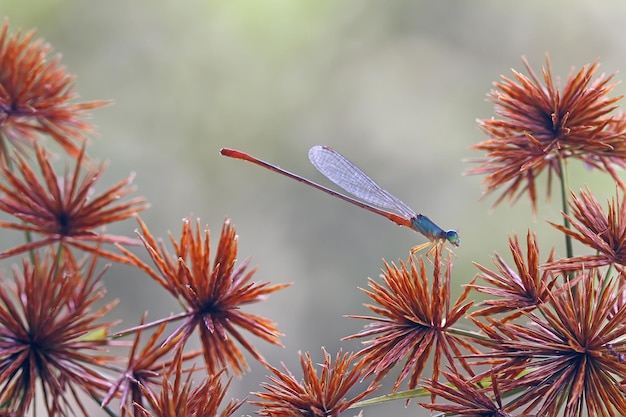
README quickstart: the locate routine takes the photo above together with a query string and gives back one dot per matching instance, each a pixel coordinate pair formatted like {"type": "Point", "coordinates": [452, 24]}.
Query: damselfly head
{"type": "Point", "coordinates": [453, 237]}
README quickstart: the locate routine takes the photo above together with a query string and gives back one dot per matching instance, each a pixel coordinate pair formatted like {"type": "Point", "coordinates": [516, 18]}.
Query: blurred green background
{"type": "Point", "coordinates": [395, 86]}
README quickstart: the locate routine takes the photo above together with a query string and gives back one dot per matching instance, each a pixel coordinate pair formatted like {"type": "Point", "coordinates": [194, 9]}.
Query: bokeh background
{"type": "Point", "coordinates": [396, 86]}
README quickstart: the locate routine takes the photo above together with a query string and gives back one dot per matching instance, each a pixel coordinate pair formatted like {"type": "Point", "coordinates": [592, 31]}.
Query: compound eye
{"type": "Point", "coordinates": [453, 237]}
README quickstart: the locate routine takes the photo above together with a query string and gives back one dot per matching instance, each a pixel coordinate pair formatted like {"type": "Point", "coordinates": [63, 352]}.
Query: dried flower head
{"type": "Point", "coordinates": [605, 233]}
{"type": "Point", "coordinates": [211, 295]}
{"type": "Point", "coordinates": [179, 398]}
{"type": "Point", "coordinates": [143, 370]}
{"type": "Point", "coordinates": [414, 322]}
{"type": "Point", "coordinates": [517, 288]}
{"type": "Point", "coordinates": [36, 95]}
{"type": "Point", "coordinates": [569, 359]}
{"type": "Point", "coordinates": [467, 398]}
{"type": "Point", "coordinates": [62, 209]}
{"type": "Point", "coordinates": [540, 125]}
{"type": "Point", "coordinates": [317, 395]}
{"type": "Point", "coordinates": [50, 335]}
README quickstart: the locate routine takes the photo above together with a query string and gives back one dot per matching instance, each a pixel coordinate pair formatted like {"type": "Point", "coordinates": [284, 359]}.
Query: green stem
{"type": "Point", "coordinates": [58, 258]}
{"type": "Point", "coordinates": [29, 239]}
{"type": "Point", "coordinates": [564, 176]}
{"type": "Point", "coordinates": [468, 333]}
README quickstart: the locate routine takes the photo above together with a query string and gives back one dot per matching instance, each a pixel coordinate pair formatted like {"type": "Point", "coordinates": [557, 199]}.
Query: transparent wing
{"type": "Point", "coordinates": [346, 175]}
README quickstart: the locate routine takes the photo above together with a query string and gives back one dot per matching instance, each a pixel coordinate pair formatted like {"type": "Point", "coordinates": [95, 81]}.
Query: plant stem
{"type": "Point", "coordinates": [564, 177]}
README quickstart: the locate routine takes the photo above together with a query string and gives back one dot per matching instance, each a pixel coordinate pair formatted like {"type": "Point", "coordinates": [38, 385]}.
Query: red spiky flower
{"type": "Point", "coordinates": [415, 322]}
{"type": "Point", "coordinates": [603, 232]}
{"type": "Point", "coordinates": [212, 295]}
{"type": "Point", "coordinates": [519, 288]}
{"type": "Point", "coordinates": [467, 398]}
{"type": "Point", "coordinates": [62, 209]}
{"type": "Point", "coordinates": [541, 124]}
{"type": "Point", "coordinates": [180, 398]}
{"type": "Point", "coordinates": [36, 96]}
{"type": "Point", "coordinates": [143, 371]}
{"type": "Point", "coordinates": [51, 336]}
{"type": "Point", "coordinates": [317, 395]}
{"type": "Point", "coordinates": [569, 358]}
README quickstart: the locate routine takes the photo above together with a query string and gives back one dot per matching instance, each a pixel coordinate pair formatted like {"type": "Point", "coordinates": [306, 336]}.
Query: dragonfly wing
{"type": "Point", "coordinates": [348, 176]}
